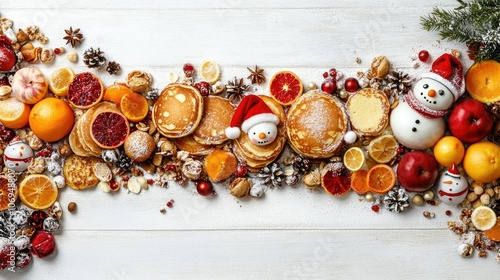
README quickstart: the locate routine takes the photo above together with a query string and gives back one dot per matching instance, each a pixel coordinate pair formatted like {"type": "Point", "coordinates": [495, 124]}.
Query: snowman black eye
{"type": "Point", "coordinates": [269, 132]}
{"type": "Point", "coordinates": [254, 133]}
{"type": "Point", "coordinates": [425, 86]}
{"type": "Point", "coordinates": [441, 92]}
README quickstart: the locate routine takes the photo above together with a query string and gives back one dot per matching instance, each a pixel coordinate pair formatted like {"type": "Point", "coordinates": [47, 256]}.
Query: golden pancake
{"type": "Point", "coordinates": [368, 110]}
{"type": "Point", "coordinates": [75, 144]}
{"type": "Point", "coordinates": [254, 165]}
{"type": "Point", "coordinates": [217, 114]}
{"type": "Point", "coordinates": [188, 144]}
{"type": "Point", "coordinates": [316, 125]}
{"type": "Point", "coordinates": [79, 172]}
{"type": "Point", "coordinates": [178, 110]}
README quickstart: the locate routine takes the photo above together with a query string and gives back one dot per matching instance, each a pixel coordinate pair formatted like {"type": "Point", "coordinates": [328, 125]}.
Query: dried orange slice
{"type": "Point", "coordinates": [494, 233]}
{"type": "Point", "coordinates": [210, 71]}
{"type": "Point", "coordinates": [134, 107]}
{"type": "Point", "coordinates": [383, 148]}
{"type": "Point", "coordinates": [14, 113]}
{"type": "Point", "coordinates": [358, 182]}
{"type": "Point", "coordinates": [4, 193]}
{"type": "Point", "coordinates": [60, 80]}
{"type": "Point", "coordinates": [354, 159]}
{"type": "Point", "coordinates": [381, 178]}
{"type": "Point", "coordinates": [116, 92]}
{"type": "Point", "coordinates": [38, 191]}
{"type": "Point", "coordinates": [285, 87]}
{"type": "Point", "coordinates": [483, 218]}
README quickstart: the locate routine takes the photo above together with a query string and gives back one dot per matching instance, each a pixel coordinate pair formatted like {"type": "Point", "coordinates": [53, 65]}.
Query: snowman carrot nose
{"type": "Point", "coordinates": [262, 135]}
{"type": "Point", "coordinates": [431, 93]}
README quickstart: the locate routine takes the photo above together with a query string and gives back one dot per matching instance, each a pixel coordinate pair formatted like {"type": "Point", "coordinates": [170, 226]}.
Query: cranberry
{"type": "Point", "coordinates": [399, 150]}
{"type": "Point", "coordinates": [431, 202]}
{"type": "Point", "coordinates": [328, 86]}
{"type": "Point", "coordinates": [204, 188]}
{"type": "Point", "coordinates": [375, 208]}
{"type": "Point", "coordinates": [125, 178]}
{"type": "Point", "coordinates": [57, 51]}
{"type": "Point", "coordinates": [170, 204]}
{"type": "Point", "coordinates": [6, 134]}
{"type": "Point", "coordinates": [188, 69]}
{"type": "Point", "coordinates": [45, 152]}
{"type": "Point", "coordinates": [423, 55]}
{"type": "Point", "coordinates": [333, 73]}
{"type": "Point", "coordinates": [490, 247]}
{"type": "Point", "coordinates": [351, 85]}
{"type": "Point", "coordinates": [204, 88]}
{"type": "Point", "coordinates": [171, 167]}
{"type": "Point", "coordinates": [150, 181]}
{"type": "Point", "coordinates": [448, 213]}
{"type": "Point", "coordinates": [43, 244]}
{"type": "Point", "coordinates": [4, 81]}
{"type": "Point", "coordinates": [241, 170]}
{"type": "Point", "coordinates": [36, 219]}
{"type": "Point", "coordinates": [325, 75]}
{"type": "Point", "coordinates": [113, 185]}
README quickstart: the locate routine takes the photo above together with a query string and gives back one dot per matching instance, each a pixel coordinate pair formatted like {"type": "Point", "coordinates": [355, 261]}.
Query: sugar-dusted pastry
{"type": "Point", "coordinates": [217, 114]}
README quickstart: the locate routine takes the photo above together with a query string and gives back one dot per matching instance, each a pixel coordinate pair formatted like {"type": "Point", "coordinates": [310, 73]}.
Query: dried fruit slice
{"type": "Point", "coordinates": [483, 218]}
{"type": "Point", "coordinates": [109, 129]}
{"type": "Point", "coordinates": [336, 179]}
{"type": "Point", "coordinates": [134, 106]}
{"type": "Point", "coordinates": [116, 92]}
{"type": "Point", "coordinates": [220, 165]}
{"type": "Point", "coordinates": [381, 178]}
{"type": "Point", "coordinates": [14, 113]}
{"type": "Point", "coordinates": [4, 193]}
{"type": "Point", "coordinates": [285, 87]}
{"type": "Point", "coordinates": [60, 80]}
{"type": "Point", "coordinates": [38, 191]}
{"type": "Point", "coordinates": [210, 71]}
{"type": "Point", "coordinates": [354, 159]}
{"type": "Point", "coordinates": [85, 91]}
{"type": "Point", "coordinates": [383, 148]}
{"type": "Point", "coordinates": [494, 233]}
{"type": "Point", "coordinates": [358, 182]}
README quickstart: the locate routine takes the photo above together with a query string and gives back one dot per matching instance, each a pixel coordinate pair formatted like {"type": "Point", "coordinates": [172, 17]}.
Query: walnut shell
{"type": "Point", "coordinates": [312, 180]}
{"type": "Point", "coordinates": [139, 81]}
{"type": "Point", "coordinates": [380, 67]}
{"type": "Point", "coordinates": [240, 187]}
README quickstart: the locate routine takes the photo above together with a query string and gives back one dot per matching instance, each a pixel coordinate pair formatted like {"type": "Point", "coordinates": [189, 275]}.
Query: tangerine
{"type": "Point", "coordinates": [134, 106]}
{"type": "Point", "coordinates": [482, 161]}
{"type": "Point", "coordinates": [51, 119]}
{"type": "Point", "coordinates": [285, 87]}
{"type": "Point", "coordinates": [116, 92]}
{"type": "Point", "coordinates": [449, 150]}
{"type": "Point", "coordinates": [38, 191]}
{"type": "Point", "coordinates": [14, 113]}
{"type": "Point", "coordinates": [381, 178]}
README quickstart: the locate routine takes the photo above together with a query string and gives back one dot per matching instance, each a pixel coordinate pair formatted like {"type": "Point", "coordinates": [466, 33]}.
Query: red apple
{"type": "Point", "coordinates": [417, 171]}
{"type": "Point", "coordinates": [470, 121]}
{"type": "Point", "coordinates": [8, 56]}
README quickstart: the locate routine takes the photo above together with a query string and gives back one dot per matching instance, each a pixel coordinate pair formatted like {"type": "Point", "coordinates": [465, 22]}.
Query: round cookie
{"type": "Point", "coordinates": [368, 110]}
{"type": "Point", "coordinates": [79, 172]}
{"type": "Point", "coordinates": [217, 114]}
{"type": "Point", "coordinates": [139, 146]}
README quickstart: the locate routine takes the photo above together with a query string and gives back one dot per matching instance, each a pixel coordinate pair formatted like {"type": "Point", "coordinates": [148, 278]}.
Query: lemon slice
{"type": "Point", "coordinates": [383, 148]}
{"type": "Point", "coordinates": [483, 218]}
{"type": "Point", "coordinates": [210, 71]}
{"type": "Point", "coordinates": [354, 159]}
{"type": "Point", "coordinates": [60, 80]}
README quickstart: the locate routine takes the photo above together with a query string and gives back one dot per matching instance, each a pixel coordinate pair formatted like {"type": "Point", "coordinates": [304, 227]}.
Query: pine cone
{"type": "Point", "coordinates": [113, 67]}
{"type": "Point", "coordinates": [94, 58]}
{"type": "Point", "coordinates": [399, 82]}
{"type": "Point", "coordinates": [301, 165]}
{"type": "Point", "coordinates": [124, 163]}
{"type": "Point", "coordinates": [396, 200]}
{"type": "Point", "coordinates": [153, 94]}
{"type": "Point", "coordinates": [273, 175]}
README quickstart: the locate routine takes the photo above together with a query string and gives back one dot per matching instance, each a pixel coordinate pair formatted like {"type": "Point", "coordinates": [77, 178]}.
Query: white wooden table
{"type": "Point", "coordinates": [289, 233]}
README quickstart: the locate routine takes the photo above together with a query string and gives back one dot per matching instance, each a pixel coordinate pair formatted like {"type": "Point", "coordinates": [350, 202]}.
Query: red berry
{"type": "Point", "coordinates": [113, 185]}
{"type": "Point", "coordinates": [150, 181]}
{"type": "Point", "coordinates": [125, 178]}
{"type": "Point", "coordinates": [351, 85]}
{"type": "Point", "coordinates": [328, 86]}
{"type": "Point", "coordinates": [241, 170]}
{"type": "Point", "coordinates": [333, 73]}
{"type": "Point", "coordinates": [490, 247]}
{"type": "Point", "coordinates": [325, 75]}
{"type": "Point", "coordinates": [375, 208]}
{"type": "Point", "coordinates": [423, 55]}
{"type": "Point", "coordinates": [431, 202]}
{"type": "Point", "coordinates": [204, 88]}
{"type": "Point", "coordinates": [57, 50]}
{"type": "Point", "coordinates": [448, 213]}
{"type": "Point", "coordinates": [6, 134]}
{"type": "Point", "coordinates": [43, 244]}
{"type": "Point", "coordinates": [204, 188]}
{"type": "Point", "coordinates": [171, 167]}
{"type": "Point", "coordinates": [188, 69]}
{"type": "Point", "coordinates": [170, 204]}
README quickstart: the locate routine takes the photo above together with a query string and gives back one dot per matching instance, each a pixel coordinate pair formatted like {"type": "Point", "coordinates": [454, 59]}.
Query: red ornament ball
{"type": "Point", "coordinates": [204, 88]}
{"type": "Point", "coordinates": [351, 85]}
{"type": "Point", "coordinates": [43, 244]}
{"type": "Point", "coordinates": [423, 55]}
{"type": "Point", "coordinates": [204, 188]}
{"type": "Point", "coordinates": [328, 86]}
{"type": "Point", "coordinates": [241, 170]}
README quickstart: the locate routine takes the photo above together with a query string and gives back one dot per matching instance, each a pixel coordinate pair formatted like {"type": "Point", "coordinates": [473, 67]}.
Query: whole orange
{"type": "Point", "coordinates": [449, 150]}
{"type": "Point", "coordinates": [482, 161]}
{"type": "Point", "coordinates": [51, 119]}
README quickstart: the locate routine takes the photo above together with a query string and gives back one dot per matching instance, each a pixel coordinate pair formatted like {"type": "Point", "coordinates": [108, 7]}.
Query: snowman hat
{"type": "Point", "coordinates": [453, 171]}
{"type": "Point", "coordinates": [251, 111]}
{"type": "Point", "coordinates": [448, 70]}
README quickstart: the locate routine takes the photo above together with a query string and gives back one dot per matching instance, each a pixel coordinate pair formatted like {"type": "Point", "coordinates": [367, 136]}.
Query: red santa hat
{"type": "Point", "coordinates": [251, 111]}
{"type": "Point", "coordinates": [447, 70]}
{"type": "Point", "coordinates": [453, 171]}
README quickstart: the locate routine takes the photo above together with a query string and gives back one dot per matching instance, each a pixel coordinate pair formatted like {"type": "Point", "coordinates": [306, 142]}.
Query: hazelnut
{"type": "Point", "coordinates": [139, 80]}
{"type": "Point", "coordinates": [72, 56]}
{"type": "Point", "coordinates": [490, 192]}
{"type": "Point", "coordinates": [5, 92]}
{"type": "Point", "coordinates": [71, 207]}
{"type": "Point", "coordinates": [477, 203]}
{"type": "Point", "coordinates": [65, 150]}
{"type": "Point", "coordinates": [380, 67]}
{"type": "Point", "coordinates": [471, 197]}
{"type": "Point", "coordinates": [312, 180]}
{"type": "Point", "coordinates": [240, 187]}
{"type": "Point", "coordinates": [485, 199]}
{"type": "Point", "coordinates": [478, 190]}
{"type": "Point", "coordinates": [418, 199]}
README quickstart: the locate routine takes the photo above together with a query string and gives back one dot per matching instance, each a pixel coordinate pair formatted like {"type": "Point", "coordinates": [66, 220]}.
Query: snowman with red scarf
{"type": "Point", "coordinates": [417, 122]}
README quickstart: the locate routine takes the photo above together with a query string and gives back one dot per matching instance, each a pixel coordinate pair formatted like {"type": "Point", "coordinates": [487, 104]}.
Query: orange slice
{"type": "Point", "coordinates": [383, 148]}
{"type": "Point", "coordinates": [354, 159]}
{"type": "Point", "coordinates": [494, 233]}
{"type": "Point", "coordinates": [358, 182]}
{"type": "Point", "coordinates": [60, 80]}
{"type": "Point", "coordinates": [134, 107]}
{"type": "Point", "coordinates": [381, 178]}
{"type": "Point", "coordinates": [210, 71]}
{"type": "Point", "coordinates": [14, 113]}
{"type": "Point", "coordinates": [285, 87]}
{"type": "Point", "coordinates": [4, 193]}
{"type": "Point", "coordinates": [116, 92]}
{"type": "Point", "coordinates": [38, 191]}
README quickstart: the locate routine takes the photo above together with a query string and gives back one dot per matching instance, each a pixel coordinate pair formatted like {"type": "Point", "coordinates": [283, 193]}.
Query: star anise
{"type": "Point", "coordinates": [236, 89]}
{"type": "Point", "coordinates": [256, 75]}
{"type": "Point", "coordinates": [73, 36]}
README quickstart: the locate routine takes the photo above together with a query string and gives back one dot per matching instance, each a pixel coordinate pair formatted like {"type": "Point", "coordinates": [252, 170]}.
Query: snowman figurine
{"type": "Point", "coordinates": [256, 120]}
{"type": "Point", "coordinates": [18, 155]}
{"type": "Point", "coordinates": [452, 186]}
{"type": "Point", "coordinates": [417, 122]}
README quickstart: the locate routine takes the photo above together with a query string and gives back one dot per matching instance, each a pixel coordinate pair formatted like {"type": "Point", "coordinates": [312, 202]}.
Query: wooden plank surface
{"type": "Point", "coordinates": [291, 233]}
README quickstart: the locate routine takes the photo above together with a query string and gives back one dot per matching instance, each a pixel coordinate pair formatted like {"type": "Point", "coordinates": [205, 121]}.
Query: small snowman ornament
{"type": "Point", "coordinates": [417, 122]}
{"type": "Point", "coordinates": [17, 155]}
{"type": "Point", "coordinates": [452, 186]}
{"type": "Point", "coordinates": [256, 120]}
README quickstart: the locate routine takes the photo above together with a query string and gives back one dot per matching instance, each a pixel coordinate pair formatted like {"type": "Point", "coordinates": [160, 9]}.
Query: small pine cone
{"type": "Point", "coordinates": [301, 165]}
{"type": "Point", "coordinates": [396, 200]}
{"type": "Point", "coordinates": [152, 94]}
{"type": "Point", "coordinates": [273, 175]}
{"type": "Point", "coordinates": [113, 67]}
{"type": "Point", "coordinates": [94, 58]}
{"type": "Point", "coordinates": [124, 163]}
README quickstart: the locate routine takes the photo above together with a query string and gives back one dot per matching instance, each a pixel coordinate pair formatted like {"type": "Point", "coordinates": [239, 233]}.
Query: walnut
{"type": "Point", "coordinates": [37, 166]}
{"type": "Point", "coordinates": [240, 187]}
{"type": "Point", "coordinates": [312, 180]}
{"type": "Point", "coordinates": [380, 67]}
{"type": "Point", "coordinates": [35, 143]}
{"type": "Point", "coordinates": [139, 80]}
{"type": "Point", "coordinates": [465, 250]}
{"type": "Point", "coordinates": [167, 147]}
{"type": "Point", "coordinates": [47, 55]}
{"type": "Point", "coordinates": [192, 169]}
{"type": "Point", "coordinates": [32, 32]}
{"type": "Point", "coordinates": [142, 127]}
{"type": "Point", "coordinates": [136, 172]}
{"type": "Point", "coordinates": [5, 23]}
{"type": "Point", "coordinates": [41, 38]}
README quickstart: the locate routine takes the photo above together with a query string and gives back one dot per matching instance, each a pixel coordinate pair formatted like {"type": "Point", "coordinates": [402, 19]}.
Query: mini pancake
{"type": "Point", "coordinates": [75, 144]}
{"type": "Point", "coordinates": [188, 144]}
{"type": "Point", "coordinates": [79, 172]}
{"type": "Point", "coordinates": [316, 125]}
{"type": "Point", "coordinates": [217, 114]}
{"type": "Point", "coordinates": [178, 110]}
{"type": "Point", "coordinates": [368, 110]}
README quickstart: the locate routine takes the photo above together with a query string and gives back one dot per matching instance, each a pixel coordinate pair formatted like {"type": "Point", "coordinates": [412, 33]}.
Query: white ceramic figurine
{"type": "Point", "coordinates": [452, 186]}
{"type": "Point", "coordinates": [17, 155]}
